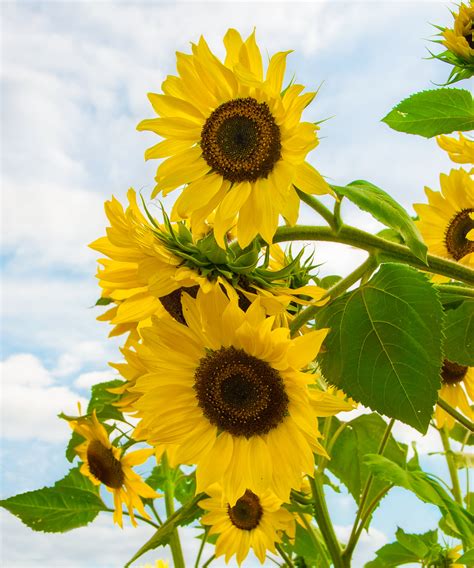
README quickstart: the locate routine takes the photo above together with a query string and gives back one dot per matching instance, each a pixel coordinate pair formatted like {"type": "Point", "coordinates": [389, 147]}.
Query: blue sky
{"type": "Point", "coordinates": [74, 82]}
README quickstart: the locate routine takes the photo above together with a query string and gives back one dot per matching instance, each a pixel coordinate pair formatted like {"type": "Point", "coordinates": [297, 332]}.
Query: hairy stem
{"type": "Point", "coordinates": [175, 543]}
{"type": "Point", "coordinates": [453, 472]}
{"type": "Point", "coordinates": [321, 514]}
{"type": "Point", "coordinates": [392, 252]}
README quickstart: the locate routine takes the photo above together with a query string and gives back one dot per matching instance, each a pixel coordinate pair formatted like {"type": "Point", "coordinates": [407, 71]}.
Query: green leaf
{"type": "Point", "coordinates": [463, 460]}
{"type": "Point", "coordinates": [425, 488]}
{"type": "Point", "coordinates": [74, 441]}
{"type": "Point", "coordinates": [393, 554]}
{"type": "Point", "coordinates": [102, 401]}
{"type": "Point", "coordinates": [408, 548]}
{"type": "Point", "coordinates": [467, 558]}
{"type": "Point", "coordinates": [360, 436]}
{"type": "Point", "coordinates": [385, 209]}
{"type": "Point", "coordinates": [71, 503]}
{"type": "Point", "coordinates": [462, 434]}
{"type": "Point", "coordinates": [459, 331]}
{"type": "Point", "coordinates": [429, 113]}
{"type": "Point", "coordinates": [329, 281]}
{"type": "Point", "coordinates": [384, 344]}
{"type": "Point", "coordinates": [412, 542]}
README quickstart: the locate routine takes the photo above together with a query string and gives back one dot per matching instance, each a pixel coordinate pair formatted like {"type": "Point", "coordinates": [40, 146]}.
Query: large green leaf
{"type": "Point", "coordinates": [434, 112]}
{"type": "Point", "coordinates": [425, 488]}
{"type": "Point", "coordinates": [409, 548]}
{"type": "Point", "coordinates": [359, 437]}
{"type": "Point", "coordinates": [459, 331]}
{"type": "Point", "coordinates": [71, 503]}
{"type": "Point", "coordinates": [385, 209]}
{"type": "Point", "coordinates": [384, 344]}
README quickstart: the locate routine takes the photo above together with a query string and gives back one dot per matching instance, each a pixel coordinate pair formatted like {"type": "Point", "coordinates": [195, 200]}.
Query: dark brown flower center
{"type": "Point", "coordinates": [241, 140]}
{"type": "Point", "coordinates": [452, 373]}
{"type": "Point", "coordinates": [104, 465]}
{"type": "Point", "coordinates": [457, 243]}
{"type": "Point", "coordinates": [239, 393]}
{"type": "Point", "coordinates": [469, 36]}
{"type": "Point", "coordinates": [172, 302]}
{"type": "Point", "coordinates": [247, 512]}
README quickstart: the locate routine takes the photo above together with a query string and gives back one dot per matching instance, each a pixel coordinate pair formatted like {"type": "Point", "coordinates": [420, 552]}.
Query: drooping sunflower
{"type": "Point", "coordinates": [456, 380]}
{"type": "Point", "coordinates": [460, 39]}
{"type": "Point", "coordinates": [235, 139]}
{"type": "Point", "coordinates": [104, 463]}
{"type": "Point", "coordinates": [460, 151]}
{"type": "Point", "coordinates": [227, 391]}
{"type": "Point", "coordinates": [255, 522]}
{"type": "Point", "coordinates": [447, 221]}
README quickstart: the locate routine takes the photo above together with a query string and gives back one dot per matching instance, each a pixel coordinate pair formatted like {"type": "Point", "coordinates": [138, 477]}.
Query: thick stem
{"type": "Point", "coordinates": [455, 414]}
{"type": "Point", "coordinates": [175, 543]}
{"type": "Point", "coordinates": [391, 251]}
{"type": "Point", "coordinates": [356, 531]}
{"type": "Point", "coordinates": [339, 288]}
{"type": "Point", "coordinates": [321, 514]}
{"type": "Point", "coordinates": [317, 206]}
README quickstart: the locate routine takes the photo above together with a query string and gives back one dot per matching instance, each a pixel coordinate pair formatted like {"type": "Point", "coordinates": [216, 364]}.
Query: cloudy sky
{"type": "Point", "coordinates": [74, 82]}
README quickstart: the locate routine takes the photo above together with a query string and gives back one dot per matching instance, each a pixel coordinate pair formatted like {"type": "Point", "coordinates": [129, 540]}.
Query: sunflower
{"type": "Point", "coordinates": [228, 393]}
{"type": "Point", "coordinates": [255, 521]}
{"type": "Point", "coordinates": [235, 140]}
{"type": "Point", "coordinates": [456, 380]}
{"type": "Point", "coordinates": [459, 40]}
{"type": "Point", "coordinates": [447, 221]}
{"type": "Point", "coordinates": [460, 151]}
{"type": "Point", "coordinates": [141, 275]}
{"type": "Point", "coordinates": [158, 564]}
{"type": "Point", "coordinates": [104, 463]}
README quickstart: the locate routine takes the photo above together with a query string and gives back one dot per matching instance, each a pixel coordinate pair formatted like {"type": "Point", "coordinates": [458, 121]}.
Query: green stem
{"type": "Point", "coordinates": [144, 519]}
{"type": "Point", "coordinates": [456, 290]}
{"type": "Point", "coordinates": [455, 414]}
{"type": "Point", "coordinates": [201, 548]}
{"type": "Point", "coordinates": [208, 561]}
{"type": "Point", "coordinates": [339, 288]}
{"type": "Point", "coordinates": [155, 512]}
{"type": "Point", "coordinates": [317, 206]}
{"type": "Point", "coordinates": [370, 509]}
{"type": "Point", "coordinates": [453, 472]}
{"type": "Point", "coordinates": [284, 555]}
{"type": "Point", "coordinates": [337, 213]}
{"type": "Point", "coordinates": [356, 532]}
{"type": "Point", "coordinates": [175, 544]}
{"type": "Point", "coordinates": [321, 514]}
{"type": "Point", "coordinates": [327, 428]}
{"type": "Point", "coordinates": [393, 252]}
{"type": "Point", "coordinates": [315, 540]}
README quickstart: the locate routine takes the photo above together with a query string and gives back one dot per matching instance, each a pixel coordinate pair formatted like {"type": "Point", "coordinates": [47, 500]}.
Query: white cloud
{"type": "Point", "coordinates": [425, 444]}
{"type": "Point", "coordinates": [31, 401]}
{"type": "Point", "coordinates": [87, 380]}
{"type": "Point", "coordinates": [81, 354]}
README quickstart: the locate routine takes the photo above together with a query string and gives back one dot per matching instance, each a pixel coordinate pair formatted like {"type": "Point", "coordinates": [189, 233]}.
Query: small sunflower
{"type": "Point", "coordinates": [158, 564]}
{"type": "Point", "coordinates": [255, 522]}
{"type": "Point", "coordinates": [460, 151]}
{"type": "Point", "coordinates": [105, 463]}
{"type": "Point", "coordinates": [447, 221]}
{"type": "Point", "coordinates": [459, 40]}
{"type": "Point", "coordinates": [235, 139]}
{"type": "Point", "coordinates": [227, 391]}
{"type": "Point", "coordinates": [456, 380]}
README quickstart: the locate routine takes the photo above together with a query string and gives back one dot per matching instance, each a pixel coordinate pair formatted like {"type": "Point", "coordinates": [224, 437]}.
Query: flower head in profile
{"type": "Point", "coordinates": [227, 392]}
{"type": "Point", "coordinates": [460, 38]}
{"type": "Point", "coordinates": [104, 463]}
{"type": "Point", "coordinates": [460, 151]}
{"type": "Point", "coordinates": [456, 380]}
{"type": "Point", "coordinates": [254, 522]}
{"type": "Point", "coordinates": [233, 136]}
{"type": "Point", "coordinates": [447, 221]}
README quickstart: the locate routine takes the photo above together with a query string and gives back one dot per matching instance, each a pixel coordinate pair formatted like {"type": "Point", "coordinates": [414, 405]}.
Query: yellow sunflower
{"type": "Point", "coordinates": [460, 151]}
{"type": "Point", "coordinates": [158, 564]}
{"type": "Point", "coordinates": [141, 275]}
{"type": "Point", "coordinates": [459, 40]}
{"type": "Point", "coordinates": [227, 392]}
{"type": "Point", "coordinates": [255, 522]}
{"type": "Point", "coordinates": [456, 380]}
{"type": "Point", "coordinates": [104, 463]}
{"type": "Point", "coordinates": [447, 221]}
{"type": "Point", "coordinates": [235, 139]}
